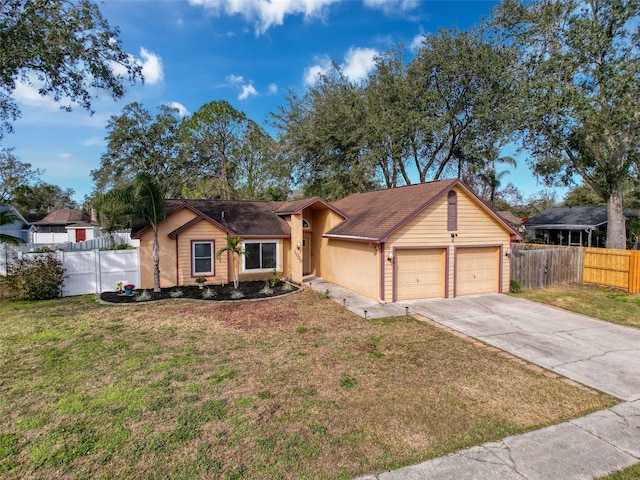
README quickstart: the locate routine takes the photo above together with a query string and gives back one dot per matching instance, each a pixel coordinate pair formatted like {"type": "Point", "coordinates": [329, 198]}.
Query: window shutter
{"type": "Point", "coordinates": [452, 211]}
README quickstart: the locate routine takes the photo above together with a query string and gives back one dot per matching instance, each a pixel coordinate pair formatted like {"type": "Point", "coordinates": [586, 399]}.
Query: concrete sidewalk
{"type": "Point", "coordinates": [584, 448]}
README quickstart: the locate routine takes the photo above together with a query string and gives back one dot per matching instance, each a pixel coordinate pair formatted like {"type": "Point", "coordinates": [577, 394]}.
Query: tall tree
{"type": "Point", "coordinates": [65, 49]}
{"type": "Point", "coordinates": [322, 133]}
{"type": "Point", "coordinates": [579, 86]}
{"type": "Point", "coordinates": [261, 169]}
{"type": "Point", "coordinates": [139, 142]}
{"type": "Point", "coordinates": [13, 174]}
{"type": "Point", "coordinates": [212, 140]}
{"type": "Point", "coordinates": [138, 202]}
{"type": "Point", "coordinates": [458, 86]}
{"type": "Point", "coordinates": [36, 201]}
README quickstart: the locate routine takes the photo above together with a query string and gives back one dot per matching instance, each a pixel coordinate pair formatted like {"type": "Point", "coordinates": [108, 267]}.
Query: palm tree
{"type": "Point", "coordinates": [492, 179]}
{"type": "Point", "coordinates": [7, 218]}
{"type": "Point", "coordinates": [234, 247]}
{"type": "Point", "coordinates": [140, 201]}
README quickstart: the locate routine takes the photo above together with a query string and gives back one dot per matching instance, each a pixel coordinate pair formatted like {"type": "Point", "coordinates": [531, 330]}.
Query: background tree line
{"type": "Point", "coordinates": [559, 79]}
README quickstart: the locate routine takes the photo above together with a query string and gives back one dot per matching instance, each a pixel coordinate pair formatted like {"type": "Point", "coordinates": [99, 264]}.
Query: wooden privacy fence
{"type": "Point", "coordinates": [613, 268]}
{"type": "Point", "coordinates": [540, 266]}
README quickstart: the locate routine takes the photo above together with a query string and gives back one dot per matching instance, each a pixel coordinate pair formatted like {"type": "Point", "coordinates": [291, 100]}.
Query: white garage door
{"type": "Point", "coordinates": [477, 270]}
{"type": "Point", "coordinates": [420, 273]}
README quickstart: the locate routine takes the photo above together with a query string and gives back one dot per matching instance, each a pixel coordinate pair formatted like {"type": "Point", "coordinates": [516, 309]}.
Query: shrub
{"type": "Point", "coordinates": [176, 294]}
{"type": "Point", "coordinates": [516, 286]}
{"type": "Point", "coordinates": [287, 287]}
{"type": "Point", "coordinates": [209, 293]}
{"type": "Point", "coordinates": [143, 297]}
{"type": "Point", "coordinates": [237, 295]}
{"type": "Point", "coordinates": [266, 290]}
{"type": "Point", "coordinates": [38, 277]}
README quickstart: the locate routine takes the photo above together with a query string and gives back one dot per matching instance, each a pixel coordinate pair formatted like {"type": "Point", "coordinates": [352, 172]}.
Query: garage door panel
{"type": "Point", "coordinates": [420, 273]}
{"type": "Point", "coordinates": [477, 270]}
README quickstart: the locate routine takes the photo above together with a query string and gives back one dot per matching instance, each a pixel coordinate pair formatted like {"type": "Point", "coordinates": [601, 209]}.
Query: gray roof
{"type": "Point", "coordinates": [574, 217]}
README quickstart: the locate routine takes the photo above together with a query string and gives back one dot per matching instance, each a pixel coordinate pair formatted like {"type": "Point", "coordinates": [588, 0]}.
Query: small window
{"type": "Point", "coordinates": [261, 255]}
{"type": "Point", "coordinates": [202, 258]}
{"type": "Point", "coordinates": [452, 211]}
{"type": "Point", "coordinates": [305, 224]}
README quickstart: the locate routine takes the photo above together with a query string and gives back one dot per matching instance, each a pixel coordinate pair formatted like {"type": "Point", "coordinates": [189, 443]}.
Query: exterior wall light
{"type": "Point", "coordinates": [390, 256]}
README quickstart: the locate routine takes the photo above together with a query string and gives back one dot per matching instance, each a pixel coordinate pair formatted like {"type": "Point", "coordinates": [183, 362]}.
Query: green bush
{"type": "Point", "coordinates": [36, 277]}
{"type": "Point", "coordinates": [516, 286]}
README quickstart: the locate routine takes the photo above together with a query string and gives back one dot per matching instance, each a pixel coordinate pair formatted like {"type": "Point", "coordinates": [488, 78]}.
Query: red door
{"type": "Point", "coordinates": [81, 235]}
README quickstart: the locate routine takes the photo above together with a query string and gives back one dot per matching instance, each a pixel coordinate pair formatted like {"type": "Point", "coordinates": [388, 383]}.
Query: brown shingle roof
{"type": "Point", "coordinates": [375, 215]}
{"type": "Point", "coordinates": [64, 216]}
{"type": "Point", "coordinates": [241, 217]}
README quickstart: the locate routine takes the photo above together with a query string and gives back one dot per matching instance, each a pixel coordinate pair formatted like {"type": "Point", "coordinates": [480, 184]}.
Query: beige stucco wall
{"type": "Point", "coordinates": [168, 276]}
{"type": "Point", "coordinates": [355, 265]}
{"type": "Point", "coordinates": [429, 228]}
{"type": "Point", "coordinates": [323, 221]}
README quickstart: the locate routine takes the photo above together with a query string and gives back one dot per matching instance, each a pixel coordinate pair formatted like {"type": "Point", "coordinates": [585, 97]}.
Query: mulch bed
{"type": "Point", "coordinates": [250, 290]}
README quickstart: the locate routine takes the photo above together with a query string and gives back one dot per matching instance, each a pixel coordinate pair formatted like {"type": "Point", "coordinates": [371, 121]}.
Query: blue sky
{"type": "Point", "coordinates": [247, 52]}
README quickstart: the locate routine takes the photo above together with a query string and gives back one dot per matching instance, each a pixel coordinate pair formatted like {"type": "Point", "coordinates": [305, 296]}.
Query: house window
{"type": "Point", "coordinates": [202, 258]}
{"type": "Point", "coordinates": [305, 224]}
{"type": "Point", "coordinates": [452, 211]}
{"type": "Point", "coordinates": [261, 255]}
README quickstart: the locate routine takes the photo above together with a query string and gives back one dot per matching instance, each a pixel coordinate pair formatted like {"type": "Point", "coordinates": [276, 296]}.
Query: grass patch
{"type": "Point", "coordinates": [602, 303]}
{"type": "Point", "coordinates": [629, 473]}
{"type": "Point", "coordinates": [296, 387]}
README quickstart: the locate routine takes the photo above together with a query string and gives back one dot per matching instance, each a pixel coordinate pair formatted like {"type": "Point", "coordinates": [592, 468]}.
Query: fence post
{"type": "Point", "coordinates": [98, 270]}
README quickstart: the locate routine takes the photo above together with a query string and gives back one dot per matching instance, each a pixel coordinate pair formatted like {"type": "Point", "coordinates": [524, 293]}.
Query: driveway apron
{"type": "Point", "coordinates": [598, 354]}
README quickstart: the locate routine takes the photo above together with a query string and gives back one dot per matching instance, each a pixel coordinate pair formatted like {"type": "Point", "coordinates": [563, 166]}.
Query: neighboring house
{"type": "Point", "coordinates": [513, 221]}
{"type": "Point", "coordinates": [20, 228]}
{"type": "Point", "coordinates": [64, 226]}
{"type": "Point", "coordinates": [575, 226]}
{"type": "Point", "coordinates": [434, 239]}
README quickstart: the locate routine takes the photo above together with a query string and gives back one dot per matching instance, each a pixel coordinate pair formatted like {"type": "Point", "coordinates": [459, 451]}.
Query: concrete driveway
{"type": "Point", "coordinates": [599, 354]}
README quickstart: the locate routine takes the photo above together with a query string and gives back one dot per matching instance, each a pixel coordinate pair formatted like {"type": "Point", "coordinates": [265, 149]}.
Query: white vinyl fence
{"type": "Point", "coordinates": [93, 271]}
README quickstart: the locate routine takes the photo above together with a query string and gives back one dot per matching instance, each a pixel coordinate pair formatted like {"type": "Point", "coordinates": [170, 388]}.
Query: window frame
{"type": "Point", "coordinates": [210, 273]}
{"type": "Point", "coordinates": [260, 242]}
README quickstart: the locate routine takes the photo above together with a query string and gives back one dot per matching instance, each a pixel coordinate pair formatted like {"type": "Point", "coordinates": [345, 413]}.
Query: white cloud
{"type": "Point", "coordinates": [266, 13]}
{"type": "Point", "coordinates": [151, 66]}
{"type": "Point", "coordinates": [416, 43]}
{"type": "Point", "coordinates": [392, 7]}
{"type": "Point", "coordinates": [273, 89]}
{"type": "Point", "coordinates": [312, 73]}
{"type": "Point", "coordinates": [94, 141]}
{"type": "Point", "coordinates": [182, 110]}
{"type": "Point", "coordinates": [64, 155]}
{"type": "Point", "coordinates": [247, 91]}
{"type": "Point", "coordinates": [358, 62]}
{"type": "Point", "coordinates": [26, 93]}
{"type": "Point", "coordinates": [235, 79]}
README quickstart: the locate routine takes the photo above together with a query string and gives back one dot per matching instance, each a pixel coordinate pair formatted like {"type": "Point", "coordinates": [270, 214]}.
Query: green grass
{"type": "Point", "coordinates": [604, 304]}
{"type": "Point", "coordinates": [289, 388]}
{"type": "Point", "coordinates": [630, 473]}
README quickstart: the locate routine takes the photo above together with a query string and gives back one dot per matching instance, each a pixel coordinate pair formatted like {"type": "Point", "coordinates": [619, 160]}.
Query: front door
{"type": "Point", "coordinates": [81, 235]}
{"type": "Point", "coordinates": [306, 254]}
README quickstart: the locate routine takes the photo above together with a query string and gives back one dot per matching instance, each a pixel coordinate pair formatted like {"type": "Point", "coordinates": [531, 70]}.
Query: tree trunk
{"type": "Point", "coordinates": [616, 230]}
{"type": "Point", "coordinates": [156, 262]}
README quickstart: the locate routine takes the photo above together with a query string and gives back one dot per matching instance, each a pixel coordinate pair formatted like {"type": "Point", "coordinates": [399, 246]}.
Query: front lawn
{"type": "Point", "coordinates": [612, 306]}
{"type": "Point", "coordinates": [293, 387]}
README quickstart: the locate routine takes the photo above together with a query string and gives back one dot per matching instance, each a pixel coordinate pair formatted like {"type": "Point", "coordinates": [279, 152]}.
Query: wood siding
{"type": "Point", "coordinates": [168, 257]}
{"type": "Point", "coordinates": [475, 227]}
{"type": "Point", "coordinates": [206, 232]}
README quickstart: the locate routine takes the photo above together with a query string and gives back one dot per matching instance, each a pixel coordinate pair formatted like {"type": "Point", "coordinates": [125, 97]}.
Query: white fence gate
{"type": "Point", "coordinates": [96, 271]}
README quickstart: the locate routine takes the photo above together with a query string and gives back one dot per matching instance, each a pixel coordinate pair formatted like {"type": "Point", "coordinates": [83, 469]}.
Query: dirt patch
{"type": "Point", "coordinates": [246, 290]}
